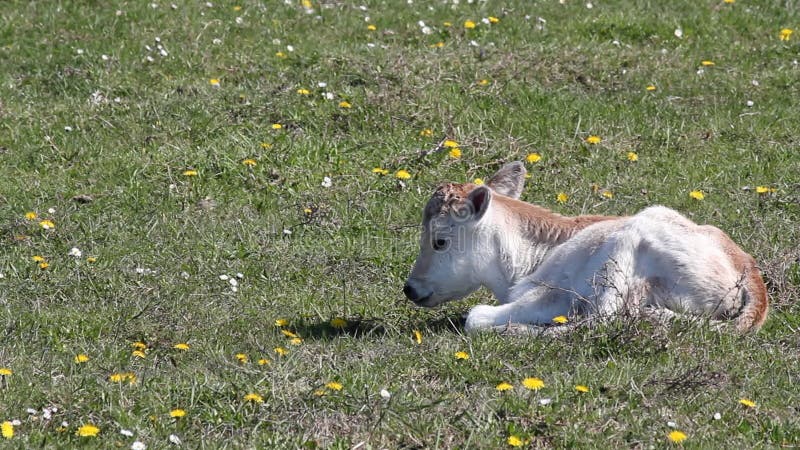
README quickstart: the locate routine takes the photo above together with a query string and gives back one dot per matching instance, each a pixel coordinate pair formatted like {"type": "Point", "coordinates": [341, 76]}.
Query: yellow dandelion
{"type": "Point", "coordinates": [729, 1]}
{"type": "Point", "coordinates": [30, 215]}
{"type": "Point", "coordinates": [44, 265]}
{"type": "Point", "coordinates": [7, 429]}
{"type": "Point", "coordinates": [281, 322]}
{"type": "Point", "coordinates": [468, 24]}
{"type": "Point", "coordinates": [765, 190]}
{"type": "Point", "coordinates": [338, 322]}
{"type": "Point", "coordinates": [484, 82]}
{"type": "Point", "coordinates": [181, 346]}
{"type": "Point", "coordinates": [253, 398]}
{"type": "Point", "coordinates": [593, 140]}
{"type": "Point", "coordinates": [747, 403]}
{"type": "Point", "coordinates": [139, 345]}
{"type": "Point", "coordinates": [461, 355]}
{"type": "Point", "coordinates": [607, 194]}
{"type": "Point", "coordinates": [504, 387]}
{"type": "Point", "coordinates": [138, 354]}
{"type": "Point", "coordinates": [650, 88]}
{"type": "Point", "coordinates": [237, 8]}
{"type": "Point", "coordinates": [190, 173]}
{"type": "Point", "coordinates": [697, 195]}
{"type": "Point", "coordinates": [266, 145]}
{"type": "Point", "coordinates": [37, 258]}
{"type": "Point", "coordinates": [5, 371]}
{"type": "Point", "coordinates": [334, 386]}
{"type": "Point", "coordinates": [371, 27]}
{"type": "Point", "coordinates": [515, 441]}
{"type": "Point", "coordinates": [560, 319]}
{"type": "Point", "coordinates": [177, 413]}
{"type": "Point", "coordinates": [562, 197]}
{"type": "Point", "coordinates": [439, 44]}
{"type": "Point", "coordinates": [632, 156]}
{"type": "Point", "coordinates": [477, 181]}
{"type": "Point", "coordinates": [786, 34]}
{"type": "Point", "coordinates": [581, 388]}
{"type": "Point", "coordinates": [280, 54]}
{"type": "Point", "coordinates": [88, 430]}
{"type": "Point", "coordinates": [345, 104]}
{"type": "Point", "coordinates": [263, 362]}
{"type": "Point", "coordinates": [289, 334]}
{"type": "Point", "coordinates": [677, 436]}
{"type": "Point", "coordinates": [417, 336]}
{"type": "Point", "coordinates": [533, 157]}
{"type": "Point", "coordinates": [380, 171]}
{"type": "Point", "coordinates": [303, 91]}
{"type": "Point", "coordinates": [533, 384]}
{"type": "Point", "coordinates": [319, 392]}
{"type": "Point", "coordinates": [455, 153]}
{"type": "Point", "coordinates": [402, 174]}
{"type": "Point", "coordinates": [214, 81]}
{"type": "Point", "coordinates": [307, 4]}
{"type": "Point", "coordinates": [276, 126]}
{"type": "Point", "coordinates": [493, 19]}
{"type": "Point", "coordinates": [81, 358]}
{"type": "Point", "coordinates": [308, 210]}
{"type": "Point", "coordinates": [91, 259]}
{"type": "Point", "coordinates": [250, 162]}
{"type": "Point", "coordinates": [47, 224]}
{"type": "Point", "coordinates": [707, 63]}
{"type": "Point", "coordinates": [427, 132]}
{"type": "Point", "coordinates": [295, 341]}
{"type": "Point", "coordinates": [241, 357]}
{"type": "Point", "coordinates": [449, 143]}
{"type": "Point", "coordinates": [281, 351]}
{"type": "Point", "coordinates": [447, 24]}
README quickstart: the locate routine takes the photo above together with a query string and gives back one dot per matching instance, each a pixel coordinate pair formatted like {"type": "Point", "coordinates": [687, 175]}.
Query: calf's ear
{"type": "Point", "coordinates": [509, 180]}
{"type": "Point", "coordinates": [478, 201]}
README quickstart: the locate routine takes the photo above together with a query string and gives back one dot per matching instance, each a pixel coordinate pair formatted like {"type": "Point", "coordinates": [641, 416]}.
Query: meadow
{"type": "Point", "coordinates": [208, 211]}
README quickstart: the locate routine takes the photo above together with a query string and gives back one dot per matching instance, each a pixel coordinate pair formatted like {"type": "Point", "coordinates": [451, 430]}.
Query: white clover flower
{"type": "Point", "coordinates": [545, 401]}
{"type": "Point", "coordinates": [239, 21]}
{"type": "Point", "coordinates": [75, 252]}
{"type": "Point", "coordinates": [216, 41]}
{"type": "Point", "coordinates": [287, 232]}
{"type": "Point", "coordinates": [31, 411]}
{"type": "Point", "coordinates": [386, 395]}
{"type": "Point", "coordinates": [175, 439]}
{"type": "Point", "coordinates": [138, 445]}
{"type": "Point", "coordinates": [127, 433]}
{"type": "Point", "coordinates": [327, 182]}
{"type": "Point", "coordinates": [717, 416]}
{"type": "Point", "coordinates": [322, 84]}
{"type": "Point", "coordinates": [678, 33]}
{"type": "Point", "coordinates": [224, 277]}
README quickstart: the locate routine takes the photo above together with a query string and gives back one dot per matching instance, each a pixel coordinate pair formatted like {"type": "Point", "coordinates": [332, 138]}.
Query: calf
{"type": "Point", "coordinates": [541, 265]}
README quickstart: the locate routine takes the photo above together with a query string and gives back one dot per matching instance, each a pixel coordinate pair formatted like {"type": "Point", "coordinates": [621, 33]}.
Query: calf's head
{"type": "Point", "coordinates": [456, 246]}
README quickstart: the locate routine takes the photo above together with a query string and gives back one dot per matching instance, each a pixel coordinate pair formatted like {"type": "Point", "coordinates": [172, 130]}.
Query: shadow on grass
{"type": "Point", "coordinates": [377, 327]}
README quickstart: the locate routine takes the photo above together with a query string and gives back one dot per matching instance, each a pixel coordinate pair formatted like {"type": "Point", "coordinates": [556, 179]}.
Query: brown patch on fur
{"type": "Point", "coordinates": [444, 198]}
{"type": "Point", "coordinates": [756, 303]}
{"type": "Point", "coordinates": [544, 225]}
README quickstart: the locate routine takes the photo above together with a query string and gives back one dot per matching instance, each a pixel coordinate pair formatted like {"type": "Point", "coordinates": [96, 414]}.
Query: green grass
{"type": "Point", "coordinates": [137, 125]}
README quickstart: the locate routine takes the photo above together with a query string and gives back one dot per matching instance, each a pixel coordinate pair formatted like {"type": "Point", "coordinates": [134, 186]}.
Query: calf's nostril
{"type": "Point", "coordinates": [411, 294]}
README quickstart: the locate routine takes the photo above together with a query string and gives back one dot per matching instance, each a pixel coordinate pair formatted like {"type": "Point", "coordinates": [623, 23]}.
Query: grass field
{"type": "Point", "coordinates": [182, 152]}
